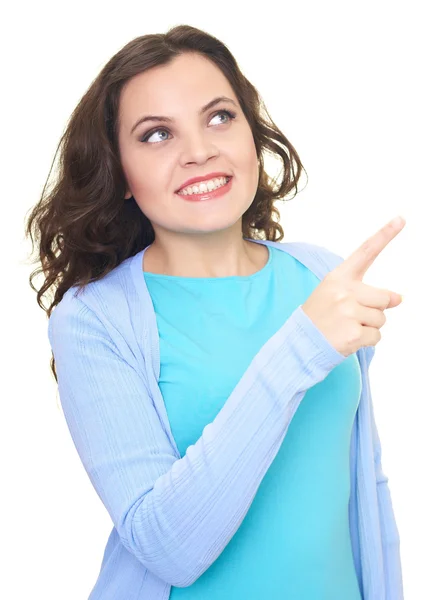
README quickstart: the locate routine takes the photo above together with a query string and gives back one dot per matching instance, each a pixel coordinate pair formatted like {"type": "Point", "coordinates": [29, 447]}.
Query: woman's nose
{"type": "Point", "coordinates": [198, 148]}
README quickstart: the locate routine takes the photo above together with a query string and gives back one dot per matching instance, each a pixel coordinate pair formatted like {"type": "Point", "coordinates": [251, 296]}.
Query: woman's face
{"type": "Point", "coordinates": [192, 145]}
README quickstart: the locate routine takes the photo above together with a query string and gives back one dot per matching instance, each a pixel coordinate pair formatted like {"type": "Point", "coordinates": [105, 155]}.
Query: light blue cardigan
{"type": "Point", "coordinates": [169, 523]}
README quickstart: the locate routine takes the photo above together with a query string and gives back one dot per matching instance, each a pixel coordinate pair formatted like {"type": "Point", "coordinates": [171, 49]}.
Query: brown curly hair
{"type": "Point", "coordinates": [83, 225]}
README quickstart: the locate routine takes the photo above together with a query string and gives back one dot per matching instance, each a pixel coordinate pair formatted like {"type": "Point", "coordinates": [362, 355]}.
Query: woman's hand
{"type": "Point", "coordinates": [347, 311]}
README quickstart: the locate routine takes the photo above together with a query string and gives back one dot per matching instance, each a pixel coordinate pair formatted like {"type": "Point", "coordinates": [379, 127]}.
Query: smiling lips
{"type": "Point", "coordinates": [204, 186]}
{"type": "Point", "coordinates": [204, 195]}
{"type": "Point", "coordinates": [197, 180]}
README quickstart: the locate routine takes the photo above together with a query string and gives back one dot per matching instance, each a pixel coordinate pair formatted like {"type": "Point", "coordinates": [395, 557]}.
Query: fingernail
{"type": "Point", "coordinates": [398, 221]}
{"type": "Point", "coordinates": [402, 297]}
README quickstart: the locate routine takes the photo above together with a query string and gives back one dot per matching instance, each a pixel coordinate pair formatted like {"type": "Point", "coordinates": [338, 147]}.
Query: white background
{"type": "Point", "coordinates": [344, 82]}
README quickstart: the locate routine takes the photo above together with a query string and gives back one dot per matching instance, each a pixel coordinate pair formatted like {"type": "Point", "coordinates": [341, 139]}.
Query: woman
{"type": "Point", "coordinates": [214, 380]}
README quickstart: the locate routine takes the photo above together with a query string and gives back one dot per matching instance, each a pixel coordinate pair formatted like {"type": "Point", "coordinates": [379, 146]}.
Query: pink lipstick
{"type": "Point", "coordinates": [203, 196]}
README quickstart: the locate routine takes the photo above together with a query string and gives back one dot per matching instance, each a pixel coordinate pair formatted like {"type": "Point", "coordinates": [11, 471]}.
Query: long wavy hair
{"type": "Point", "coordinates": [82, 227]}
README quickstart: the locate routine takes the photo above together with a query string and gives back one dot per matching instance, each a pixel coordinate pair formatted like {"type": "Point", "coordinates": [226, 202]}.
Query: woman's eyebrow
{"type": "Point", "coordinates": [170, 120]}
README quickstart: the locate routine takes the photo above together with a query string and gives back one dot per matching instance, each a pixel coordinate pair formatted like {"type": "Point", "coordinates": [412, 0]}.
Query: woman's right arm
{"type": "Point", "coordinates": [175, 515]}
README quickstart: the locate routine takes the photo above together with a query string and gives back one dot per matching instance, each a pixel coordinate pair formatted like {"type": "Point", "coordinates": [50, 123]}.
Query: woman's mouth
{"type": "Point", "coordinates": [208, 195]}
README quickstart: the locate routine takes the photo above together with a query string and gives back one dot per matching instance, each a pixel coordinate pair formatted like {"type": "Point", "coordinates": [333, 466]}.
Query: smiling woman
{"type": "Point", "coordinates": [182, 352]}
{"type": "Point", "coordinates": [117, 178]}
{"type": "Point", "coordinates": [204, 134]}
{"type": "Point", "coordinates": [199, 140]}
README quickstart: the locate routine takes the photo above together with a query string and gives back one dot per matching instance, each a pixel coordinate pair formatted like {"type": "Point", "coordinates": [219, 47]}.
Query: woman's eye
{"type": "Point", "coordinates": [231, 115]}
{"type": "Point", "coordinates": [151, 134]}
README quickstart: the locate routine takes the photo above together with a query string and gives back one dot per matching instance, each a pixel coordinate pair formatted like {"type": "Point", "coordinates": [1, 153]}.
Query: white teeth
{"type": "Point", "coordinates": [204, 186]}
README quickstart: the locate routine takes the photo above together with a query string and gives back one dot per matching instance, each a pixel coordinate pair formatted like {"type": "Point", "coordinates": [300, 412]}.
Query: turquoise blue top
{"type": "Point", "coordinates": [234, 448]}
{"type": "Point", "coordinates": [294, 542]}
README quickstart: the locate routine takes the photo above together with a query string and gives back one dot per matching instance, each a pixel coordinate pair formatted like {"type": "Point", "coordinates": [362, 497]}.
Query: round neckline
{"type": "Point", "coordinates": [226, 278]}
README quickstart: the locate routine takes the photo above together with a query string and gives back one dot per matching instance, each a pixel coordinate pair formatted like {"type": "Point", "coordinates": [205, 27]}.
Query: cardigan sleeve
{"type": "Point", "coordinates": [176, 515]}
{"type": "Point", "coordinates": [389, 530]}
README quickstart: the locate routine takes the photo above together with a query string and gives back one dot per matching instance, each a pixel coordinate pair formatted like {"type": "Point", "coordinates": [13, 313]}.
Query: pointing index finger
{"type": "Point", "coordinates": [356, 265]}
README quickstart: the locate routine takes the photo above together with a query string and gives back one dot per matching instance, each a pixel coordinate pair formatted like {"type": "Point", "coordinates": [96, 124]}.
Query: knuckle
{"type": "Point", "coordinates": [384, 297]}
{"type": "Point", "coordinates": [367, 247]}
{"type": "Point", "coordinates": [351, 309]}
{"type": "Point", "coordinates": [340, 293]}
{"type": "Point", "coordinates": [355, 334]}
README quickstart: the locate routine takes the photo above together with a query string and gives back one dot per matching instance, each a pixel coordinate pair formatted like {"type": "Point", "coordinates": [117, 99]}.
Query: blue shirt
{"type": "Point", "coordinates": [294, 542]}
{"type": "Point", "coordinates": [234, 448]}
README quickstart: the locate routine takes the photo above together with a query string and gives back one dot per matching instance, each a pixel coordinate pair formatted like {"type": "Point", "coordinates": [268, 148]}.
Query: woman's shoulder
{"type": "Point", "coordinates": [106, 299]}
